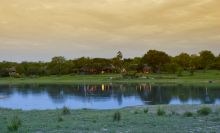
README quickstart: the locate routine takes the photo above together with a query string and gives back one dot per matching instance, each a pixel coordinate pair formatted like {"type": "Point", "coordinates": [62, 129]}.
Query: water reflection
{"type": "Point", "coordinates": [103, 96]}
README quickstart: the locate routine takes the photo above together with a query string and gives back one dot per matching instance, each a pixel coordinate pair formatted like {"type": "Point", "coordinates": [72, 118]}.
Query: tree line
{"type": "Point", "coordinates": [153, 61]}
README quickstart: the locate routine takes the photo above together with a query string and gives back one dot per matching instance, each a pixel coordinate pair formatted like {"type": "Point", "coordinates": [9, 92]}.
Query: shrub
{"type": "Point", "coordinates": [160, 112]}
{"type": "Point", "coordinates": [60, 118]}
{"type": "Point", "coordinates": [135, 112]}
{"type": "Point", "coordinates": [146, 110]}
{"type": "Point", "coordinates": [65, 111]}
{"type": "Point", "coordinates": [204, 111]}
{"type": "Point", "coordinates": [117, 116]}
{"type": "Point", "coordinates": [14, 124]}
{"type": "Point", "coordinates": [188, 114]}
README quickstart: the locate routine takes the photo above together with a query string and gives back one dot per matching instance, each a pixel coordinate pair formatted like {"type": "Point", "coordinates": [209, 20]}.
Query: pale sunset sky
{"type": "Point", "coordinates": [33, 30]}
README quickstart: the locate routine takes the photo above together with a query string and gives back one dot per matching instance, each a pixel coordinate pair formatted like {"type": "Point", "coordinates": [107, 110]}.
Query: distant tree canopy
{"type": "Point", "coordinates": [117, 61]}
{"type": "Point", "coordinates": [183, 60]}
{"type": "Point", "coordinates": [56, 66]}
{"type": "Point", "coordinates": [153, 60]}
{"type": "Point", "coordinates": [207, 59]}
{"type": "Point", "coordinates": [217, 63]}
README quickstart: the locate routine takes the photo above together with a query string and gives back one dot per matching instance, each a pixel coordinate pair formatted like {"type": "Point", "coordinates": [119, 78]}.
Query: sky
{"type": "Point", "coordinates": [33, 30]}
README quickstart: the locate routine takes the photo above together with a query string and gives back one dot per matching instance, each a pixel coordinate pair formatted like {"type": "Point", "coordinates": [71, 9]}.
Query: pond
{"type": "Point", "coordinates": [103, 96]}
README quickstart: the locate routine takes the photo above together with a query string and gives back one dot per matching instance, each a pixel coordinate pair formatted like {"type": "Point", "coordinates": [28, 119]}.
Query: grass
{"type": "Point", "coordinates": [99, 121]}
{"type": "Point", "coordinates": [14, 124]}
{"type": "Point", "coordinates": [199, 77]}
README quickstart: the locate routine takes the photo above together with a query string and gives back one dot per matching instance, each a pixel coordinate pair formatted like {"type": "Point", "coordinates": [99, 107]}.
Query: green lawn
{"type": "Point", "coordinates": [199, 77]}
{"type": "Point", "coordinates": [132, 120]}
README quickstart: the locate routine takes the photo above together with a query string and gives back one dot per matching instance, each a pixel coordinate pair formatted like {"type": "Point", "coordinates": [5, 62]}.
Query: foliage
{"type": "Point", "coordinates": [117, 116]}
{"type": "Point", "coordinates": [207, 59]}
{"type": "Point", "coordinates": [204, 111]}
{"type": "Point", "coordinates": [172, 68]}
{"type": "Point", "coordinates": [188, 114]}
{"type": "Point", "coordinates": [146, 110]}
{"type": "Point", "coordinates": [14, 124]}
{"type": "Point", "coordinates": [161, 112]}
{"type": "Point", "coordinates": [60, 118]}
{"type": "Point", "coordinates": [118, 62]}
{"type": "Point", "coordinates": [158, 61]}
{"type": "Point", "coordinates": [65, 110]}
{"type": "Point", "coordinates": [195, 62]}
{"type": "Point", "coordinates": [135, 112]}
{"type": "Point", "coordinates": [217, 63]}
{"type": "Point", "coordinates": [56, 65]}
{"type": "Point", "coordinates": [183, 60]}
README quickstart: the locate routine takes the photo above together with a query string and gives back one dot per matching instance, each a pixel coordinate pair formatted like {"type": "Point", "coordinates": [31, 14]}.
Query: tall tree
{"type": "Point", "coordinates": [156, 59]}
{"type": "Point", "coordinates": [118, 61]}
{"type": "Point", "coordinates": [119, 55]}
{"type": "Point", "coordinates": [56, 64]}
{"type": "Point", "coordinates": [207, 59]}
{"type": "Point", "coordinates": [183, 60]}
{"type": "Point", "coordinates": [195, 62]}
{"type": "Point", "coordinates": [217, 64]}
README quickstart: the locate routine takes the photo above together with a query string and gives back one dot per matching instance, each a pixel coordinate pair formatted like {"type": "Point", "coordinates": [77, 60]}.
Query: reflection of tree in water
{"type": "Point", "coordinates": [156, 94]}
{"type": "Point", "coordinates": [91, 92]}
{"type": "Point", "coordinates": [5, 90]}
{"type": "Point", "coordinates": [56, 93]}
{"type": "Point", "coordinates": [164, 93]}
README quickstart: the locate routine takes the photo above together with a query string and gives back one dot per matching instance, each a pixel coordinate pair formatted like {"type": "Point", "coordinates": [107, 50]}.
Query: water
{"type": "Point", "coordinates": [103, 96]}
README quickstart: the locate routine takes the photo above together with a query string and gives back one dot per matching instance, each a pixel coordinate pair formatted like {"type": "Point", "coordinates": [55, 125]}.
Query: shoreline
{"type": "Point", "coordinates": [198, 79]}
{"type": "Point", "coordinates": [152, 108]}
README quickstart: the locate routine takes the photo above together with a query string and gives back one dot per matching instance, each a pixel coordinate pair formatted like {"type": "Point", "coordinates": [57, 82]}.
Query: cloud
{"type": "Point", "coordinates": [109, 25]}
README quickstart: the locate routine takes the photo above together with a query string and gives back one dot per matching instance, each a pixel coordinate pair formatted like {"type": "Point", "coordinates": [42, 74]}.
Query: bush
{"type": "Point", "coordinates": [146, 110]}
{"type": "Point", "coordinates": [160, 112]}
{"type": "Point", "coordinates": [204, 111]}
{"type": "Point", "coordinates": [65, 111]}
{"type": "Point", "coordinates": [60, 118]}
{"type": "Point", "coordinates": [188, 114]}
{"type": "Point", "coordinates": [14, 124]}
{"type": "Point", "coordinates": [117, 116]}
{"type": "Point", "coordinates": [135, 112]}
